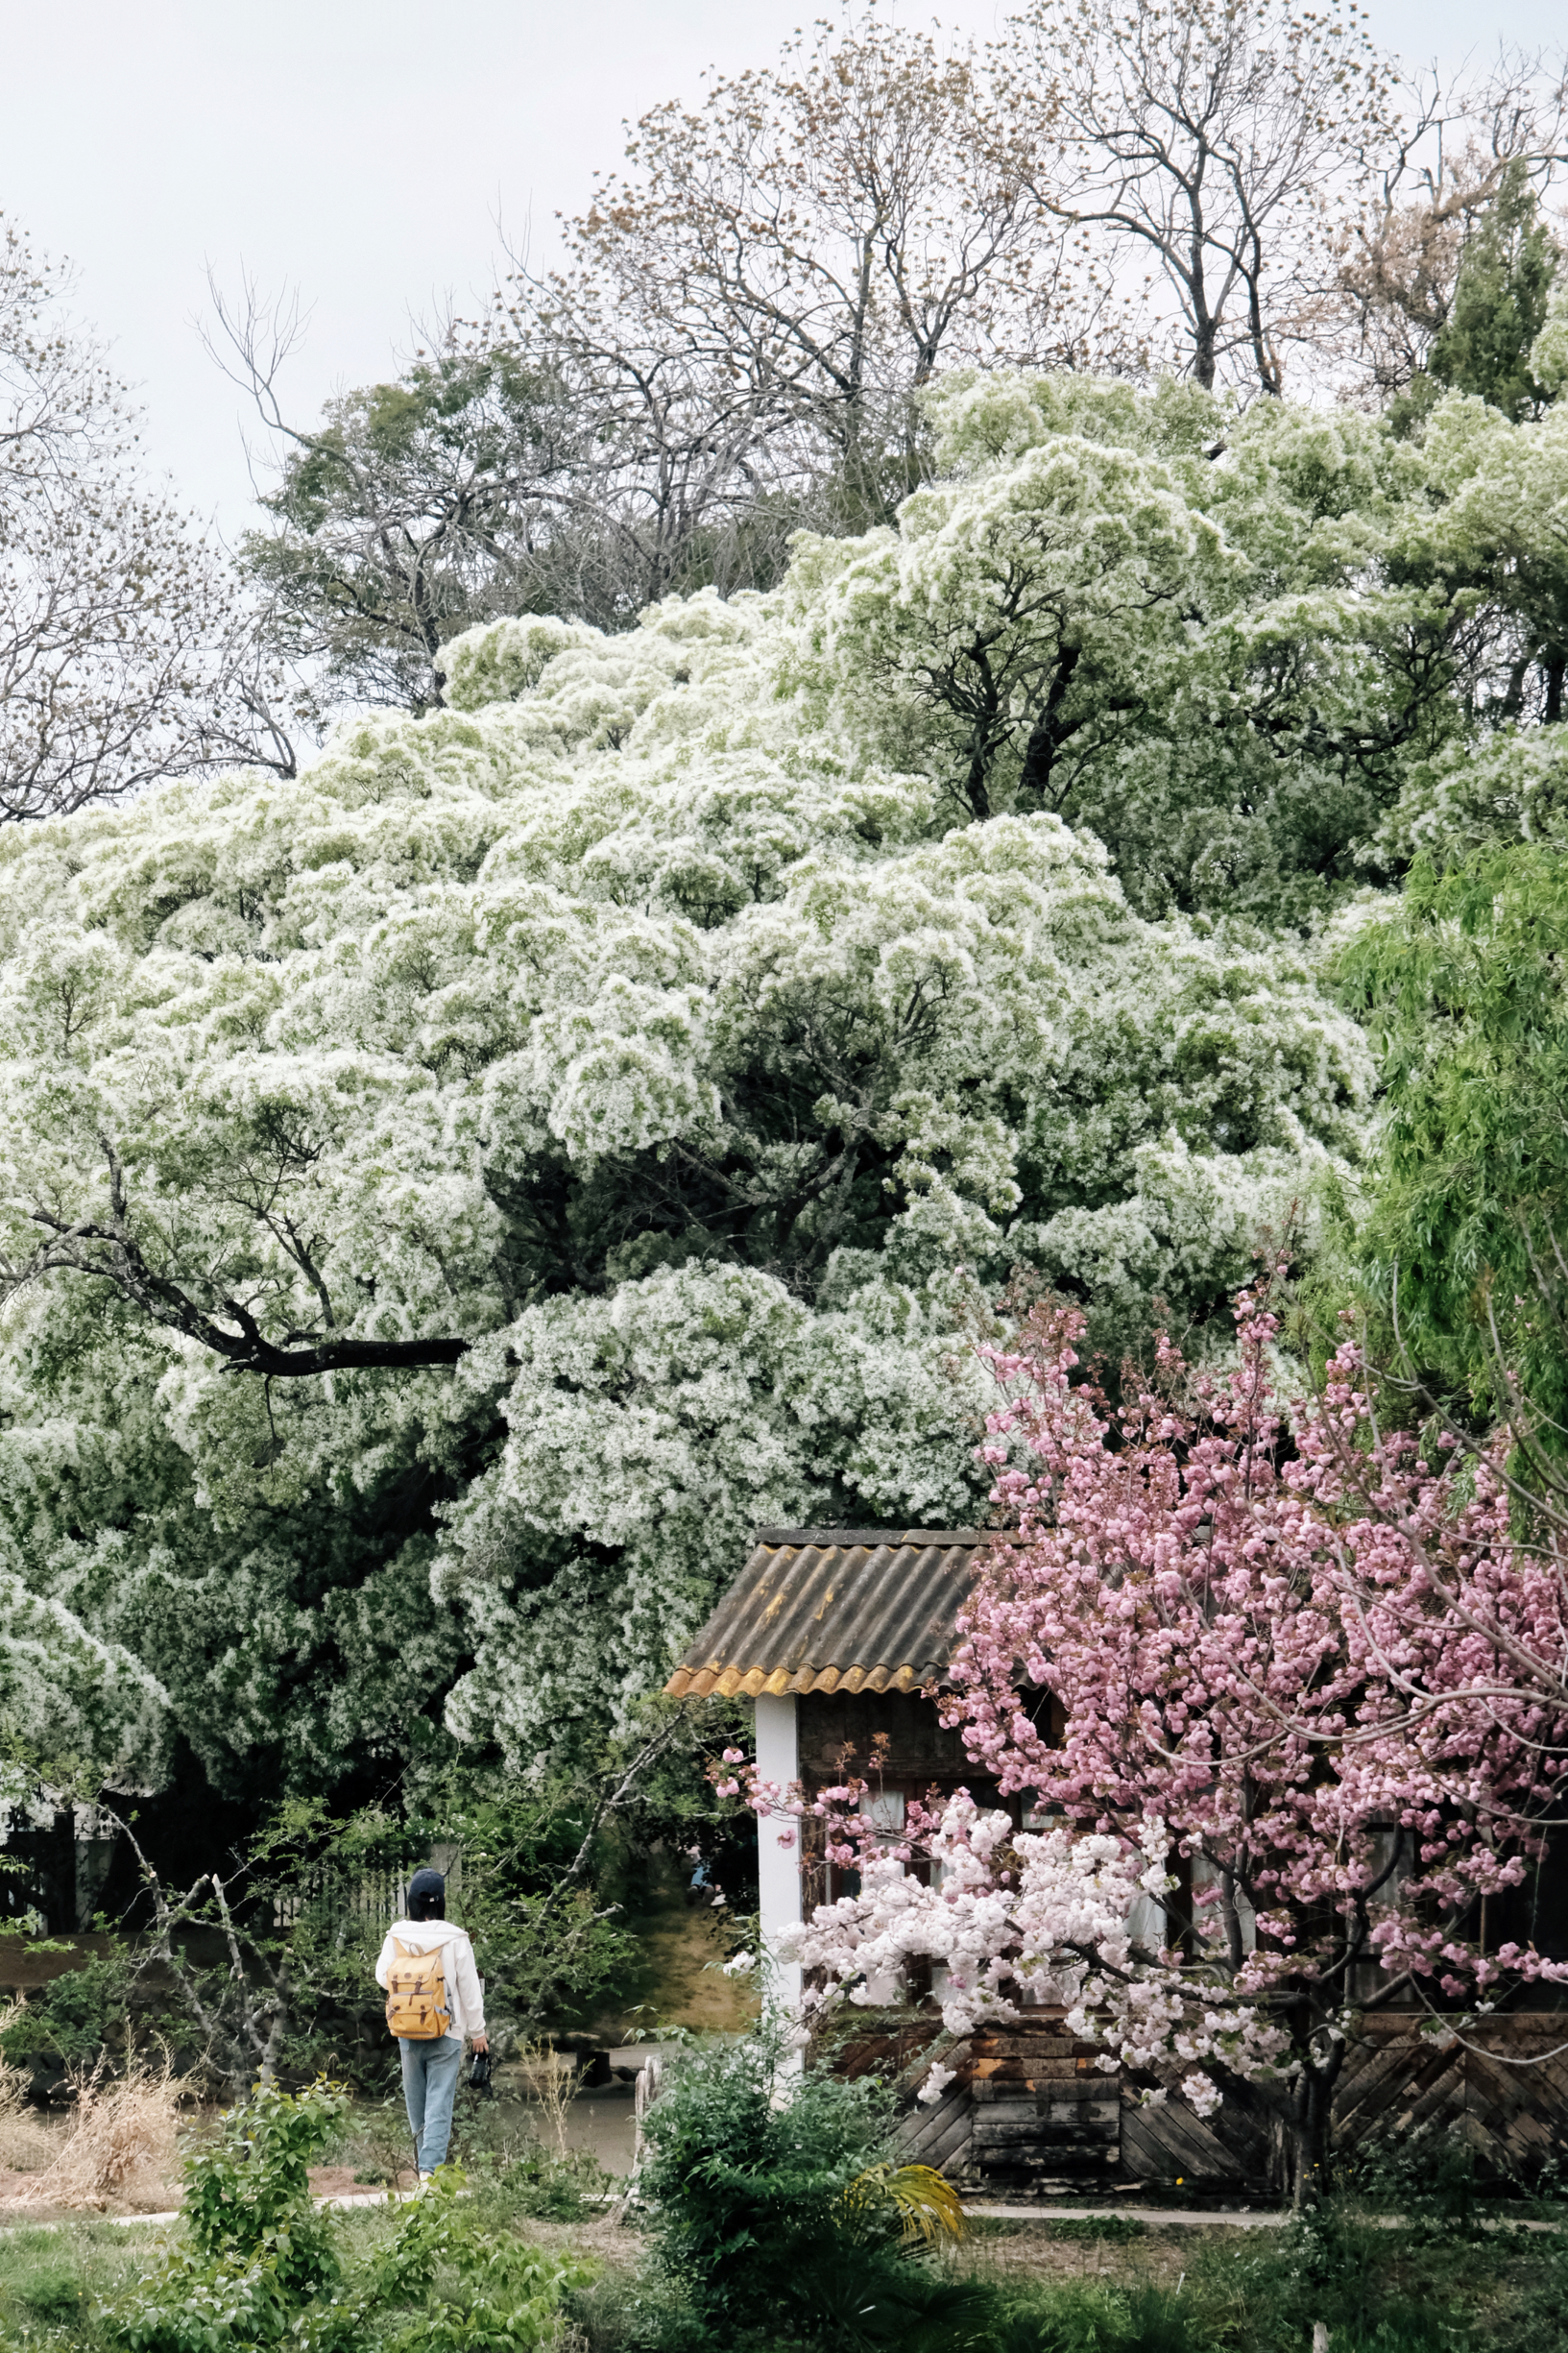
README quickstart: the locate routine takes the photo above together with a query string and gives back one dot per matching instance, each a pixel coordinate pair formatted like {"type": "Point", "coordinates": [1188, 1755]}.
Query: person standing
{"type": "Point", "coordinates": [435, 2003]}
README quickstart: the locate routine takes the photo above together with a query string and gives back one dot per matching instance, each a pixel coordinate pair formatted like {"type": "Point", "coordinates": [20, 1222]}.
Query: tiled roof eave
{"type": "Point", "coordinates": [825, 1610]}
{"type": "Point", "coordinates": [737, 1682]}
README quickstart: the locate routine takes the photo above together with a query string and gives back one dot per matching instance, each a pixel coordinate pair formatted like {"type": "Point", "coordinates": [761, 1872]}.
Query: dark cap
{"type": "Point", "coordinates": [426, 1887]}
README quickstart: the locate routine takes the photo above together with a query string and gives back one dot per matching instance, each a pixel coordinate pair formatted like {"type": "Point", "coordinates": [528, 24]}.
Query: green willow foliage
{"type": "Point", "coordinates": [455, 1195]}
{"type": "Point", "coordinates": [1463, 990]}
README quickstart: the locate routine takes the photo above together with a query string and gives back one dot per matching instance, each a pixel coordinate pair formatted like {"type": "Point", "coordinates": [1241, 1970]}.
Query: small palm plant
{"type": "Point", "coordinates": [929, 2208]}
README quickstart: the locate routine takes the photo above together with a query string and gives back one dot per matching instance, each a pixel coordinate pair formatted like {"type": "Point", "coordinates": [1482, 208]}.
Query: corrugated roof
{"type": "Point", "coordinates": [834, 1609]}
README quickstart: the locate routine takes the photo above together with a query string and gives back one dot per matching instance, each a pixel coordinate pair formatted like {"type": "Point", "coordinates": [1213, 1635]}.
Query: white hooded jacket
{"type": "Point", "coordinates": [465, 1994]}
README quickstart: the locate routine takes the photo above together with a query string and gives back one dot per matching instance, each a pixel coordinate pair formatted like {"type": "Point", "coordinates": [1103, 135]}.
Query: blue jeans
{"type": "Point", "coordinates": [429, 2088]}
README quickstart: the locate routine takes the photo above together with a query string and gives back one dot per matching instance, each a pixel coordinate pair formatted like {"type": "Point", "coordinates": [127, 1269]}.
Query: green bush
{"type": "Point", "coordinates": [1083, 2316]}
{"type": "Point", "coordinates": [76, 2017]}
{"type": "Point", "coordinates": [260, 2266]}
{"type": "Point", "coordinates": [747, 2184]}
{"type": "Point", "coordinates": [745, 2175]}
{"type": "Point", "coordinates": [248, 2198]}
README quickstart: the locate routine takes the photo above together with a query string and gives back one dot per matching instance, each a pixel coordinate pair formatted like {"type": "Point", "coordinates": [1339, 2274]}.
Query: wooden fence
{"type": "Point", "coordinates": [1029, 2113]}
{"type": "Point", "coordinates": [370, 1896]}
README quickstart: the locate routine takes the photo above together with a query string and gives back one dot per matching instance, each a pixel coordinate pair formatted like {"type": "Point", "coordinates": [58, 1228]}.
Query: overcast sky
{"type": "Point", "coordinates": [363, 150]}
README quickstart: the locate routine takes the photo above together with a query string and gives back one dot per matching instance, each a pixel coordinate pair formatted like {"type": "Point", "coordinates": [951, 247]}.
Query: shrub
{"type": "Point", "coordinates": [775, 2202]}
{"type": "Point", "coordinates": [260, 2265]}
{"type": "Point", "coordinates": [746, 2173]}
{"type": "Point", "coordinates": [74, 2018]}
{"type": "Point", "coordinates": [120, 2143]}
{"type": "Point", "coordinates": [1082, 2317]}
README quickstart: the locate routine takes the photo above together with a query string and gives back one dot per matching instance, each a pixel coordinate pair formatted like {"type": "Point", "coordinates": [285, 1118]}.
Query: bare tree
{"type": "Point", "coordinates": [728, 352]}
{"type": "Point", "coordinates": [119, 622]}
{"type": "Point", "coordinates": [754, 301]}
{"type": "Point", "coordinates": [1223, 141]}
{"type": "Point", "coordinates": [686, 473]}
{"type": "Point", "coordinates": [1445, 162]}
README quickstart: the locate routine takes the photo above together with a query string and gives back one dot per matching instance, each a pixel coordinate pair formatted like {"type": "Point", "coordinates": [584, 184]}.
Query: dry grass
{"type": "Point", "coordinates": [26, 2142]}
{"type": "Point", "coordinates": [547, 2076]}
{"type": "Point", "coordinates": [119, 2148]}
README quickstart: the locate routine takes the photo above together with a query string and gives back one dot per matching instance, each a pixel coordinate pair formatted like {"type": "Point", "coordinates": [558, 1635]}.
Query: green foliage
{"type": "Point", "coordinates": [1101, 2229]}
{"type": "Point", "coordinates": [541, 2183]}
{"type": "Point", "coordinates": [52, 2297]}
{"type": "Point", "coordinates": [1381, 2282]}
{"type": "Point", "coordinates": [1500, 303]}
{"type": "Point", "coordinates": [547, 1865]}
{"type": "Point", "coordinates": [410, 512]}
{"type": "Point", "coordinates": [54, 2282]}
{"type": "Point", "coordinates": [75, 2017]}
{"type": "Point", "coordinates": [248, 2196]}
{"type": "Point", "coordinates": [1462, 989]}
{"type": "Point", "coordinates": [262, 2266]}
{"type": "Point", "coordinates": [1079, 2317]}
{"type": "Point", "coordinates": [747, 2169]}
{"type": "Point", "coordinates": [758, 2182]}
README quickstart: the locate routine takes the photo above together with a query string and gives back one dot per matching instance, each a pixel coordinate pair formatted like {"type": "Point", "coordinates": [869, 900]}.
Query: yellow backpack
{"type": "Point", "coordinates": [417, 2007]}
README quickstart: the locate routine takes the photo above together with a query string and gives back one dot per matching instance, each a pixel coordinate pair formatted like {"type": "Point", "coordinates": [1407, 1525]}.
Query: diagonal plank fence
{"type": "Point", "coordinates": [1029, 2113]}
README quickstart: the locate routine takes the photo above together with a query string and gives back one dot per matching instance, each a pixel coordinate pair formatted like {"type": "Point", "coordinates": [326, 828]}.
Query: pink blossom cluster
{"type": "Point", "coordinates": [1277, 1673]}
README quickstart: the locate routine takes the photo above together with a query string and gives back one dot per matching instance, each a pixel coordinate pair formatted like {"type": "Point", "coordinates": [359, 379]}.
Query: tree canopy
{"type": "Point", "coordinates": [1463, 990]}
{"type": "Point", "coordinates": [835, 833]}
{"type": "Point", "coordinates": [454, 1195]}
{"type": "Point", "coordinates": [738, 339]}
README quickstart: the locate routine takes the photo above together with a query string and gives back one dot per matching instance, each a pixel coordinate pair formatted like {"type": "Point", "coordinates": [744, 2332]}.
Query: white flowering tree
{"type": "Point", "coordinates": [1232, 646]}
{"type": "Point", "coordinates": [451, 1197]}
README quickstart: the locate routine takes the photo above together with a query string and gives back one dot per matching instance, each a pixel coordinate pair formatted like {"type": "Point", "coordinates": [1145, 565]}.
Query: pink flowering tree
{"type": "Point", "coordinates": [1282, 1703]}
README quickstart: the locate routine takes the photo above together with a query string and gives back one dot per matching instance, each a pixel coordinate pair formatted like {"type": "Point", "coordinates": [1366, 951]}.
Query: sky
{"type": "Point", "coordinates": [372, 155]}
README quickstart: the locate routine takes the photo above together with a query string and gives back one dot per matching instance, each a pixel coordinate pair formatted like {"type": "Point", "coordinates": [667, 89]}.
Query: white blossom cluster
{"type": "Point", "coordinates": [655, 1022]}
{"type": "Point", "coordinates": [1055, 1927]}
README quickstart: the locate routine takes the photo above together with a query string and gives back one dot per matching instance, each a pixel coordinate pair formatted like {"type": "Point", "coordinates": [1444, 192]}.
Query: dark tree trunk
{"type": "Point", "coordinates": [1046, 735]}
{"type": "Point", "coordinates": [1304, 2123]}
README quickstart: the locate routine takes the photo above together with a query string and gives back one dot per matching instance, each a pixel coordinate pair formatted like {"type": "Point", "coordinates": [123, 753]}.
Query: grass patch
{"type": "Point", "coordinates": [1431, 2285]}
{"type": "Point", "coordinates": [1096, 2231]}
{"type": "Point", "coordinates": [1377, 2289]}
{"type": "Point", "coordinates": [53, 2281]}
{"type": "Point", "coordinates": [252, 2261]}
{"type": "Point", "coordinates": [1099, 2230]}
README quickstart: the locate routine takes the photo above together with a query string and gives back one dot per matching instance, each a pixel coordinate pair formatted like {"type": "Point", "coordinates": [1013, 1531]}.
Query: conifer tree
{"type": "Point", "coordinates": [1500, 306]}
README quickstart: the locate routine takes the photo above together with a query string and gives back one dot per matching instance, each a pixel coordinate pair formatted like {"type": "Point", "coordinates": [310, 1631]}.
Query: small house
{"type": "Point", "coordinates": [835, 1634]}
